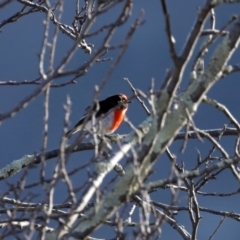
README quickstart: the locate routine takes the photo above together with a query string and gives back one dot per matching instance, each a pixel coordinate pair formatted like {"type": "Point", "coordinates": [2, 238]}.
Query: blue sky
{"type": "Point", "coordinates": [147, 57]}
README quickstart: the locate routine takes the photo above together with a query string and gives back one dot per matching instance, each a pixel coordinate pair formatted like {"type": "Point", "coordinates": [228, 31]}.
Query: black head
{"type": "Point", "coordinates": [119, 101]}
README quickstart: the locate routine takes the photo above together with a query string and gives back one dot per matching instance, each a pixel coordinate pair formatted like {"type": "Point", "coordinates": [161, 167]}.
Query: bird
{"type": "Point", "coordinates": [109, 114]}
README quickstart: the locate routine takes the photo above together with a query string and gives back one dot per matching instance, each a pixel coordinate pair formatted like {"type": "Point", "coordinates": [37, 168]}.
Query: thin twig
{"type": "Point", "coordinates": [171, 40]}
{"type": "Point", "coordinates": [217, 228]}
{"type": "Point", "coordinates": [137, 96]}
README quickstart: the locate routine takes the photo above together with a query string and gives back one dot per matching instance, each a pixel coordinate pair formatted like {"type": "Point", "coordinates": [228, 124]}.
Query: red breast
{"type": "Point", "coordinates": [118, 117]}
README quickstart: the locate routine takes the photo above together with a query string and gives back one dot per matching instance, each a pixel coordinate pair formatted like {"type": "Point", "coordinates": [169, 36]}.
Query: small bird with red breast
{"type": "Point", "coordinates": [109, 114]}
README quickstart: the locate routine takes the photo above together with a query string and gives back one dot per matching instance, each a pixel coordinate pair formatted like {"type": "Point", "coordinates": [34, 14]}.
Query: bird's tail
{"type": "Point", "coordinates": [70, 133]}
{"type": "Point", "coordinates": [76, 128]}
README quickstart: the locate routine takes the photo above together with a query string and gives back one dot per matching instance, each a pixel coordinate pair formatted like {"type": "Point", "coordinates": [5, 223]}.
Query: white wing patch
{"type": "Point", "coordinates": [102, 126]}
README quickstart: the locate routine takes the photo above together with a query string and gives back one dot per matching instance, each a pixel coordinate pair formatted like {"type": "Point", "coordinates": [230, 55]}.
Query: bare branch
{"type": "Point", "coordinates": [171, 40]}
{"type": "Point", "coordinates": [137, 96]}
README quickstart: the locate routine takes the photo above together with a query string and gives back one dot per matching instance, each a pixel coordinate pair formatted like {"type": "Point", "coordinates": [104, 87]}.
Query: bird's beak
{"type": "Point", "coordinates": [129, 101]}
